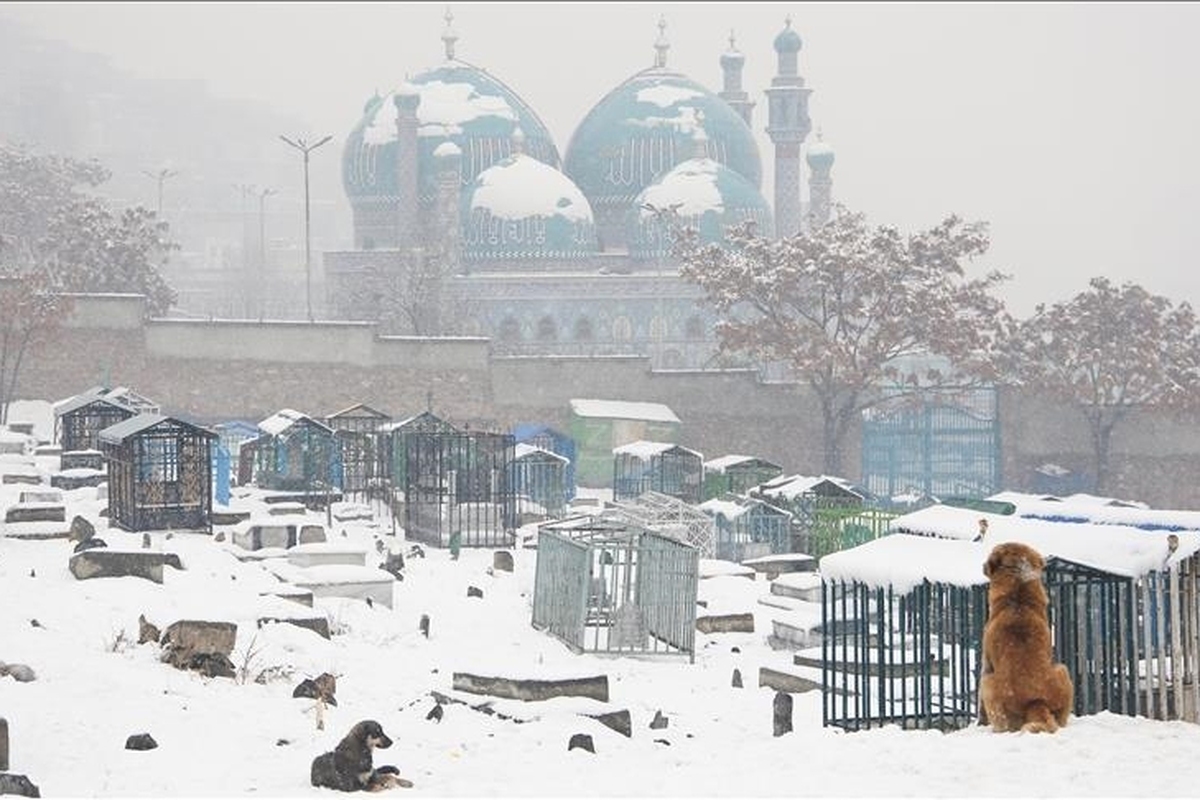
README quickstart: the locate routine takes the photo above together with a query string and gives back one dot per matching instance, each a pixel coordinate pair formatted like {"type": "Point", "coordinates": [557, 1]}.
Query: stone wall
{"type": "Point", "coordinates": [217, 371]}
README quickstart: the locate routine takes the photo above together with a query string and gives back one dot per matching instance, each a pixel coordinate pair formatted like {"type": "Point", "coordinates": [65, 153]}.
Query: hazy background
{"type": "Point", "coordinates": [1071, 128]}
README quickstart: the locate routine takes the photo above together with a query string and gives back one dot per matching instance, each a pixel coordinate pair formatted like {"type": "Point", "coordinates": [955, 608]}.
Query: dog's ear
{"type": "Point", "coordinates": [990, 565]}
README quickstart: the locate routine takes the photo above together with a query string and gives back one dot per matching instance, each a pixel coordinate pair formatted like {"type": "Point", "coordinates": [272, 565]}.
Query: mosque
{"type": "Point", "coordinates": [468, 222]}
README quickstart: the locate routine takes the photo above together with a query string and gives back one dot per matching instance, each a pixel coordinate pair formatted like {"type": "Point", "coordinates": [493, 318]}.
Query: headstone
{"type": "Point", "coordinates": [502, 561]}
{"type": "Point", "coordinates": [582, 741]}
{"type": "Point", "coordinates": [105, 563]}
{"type": "Point", "coordinates": [54, 496]}
{"type": "Point", "coordinates": [21, 673]}
{"type": "Point", "coordinates": [394, 565]}
{"type": "Point", "coordinates": [455, 545]}
{"type": "Point", "coordinates": [659, 722]}
{"type": "Point", "coordinates": [19, 785]}
{"type": "Point", "coordinates": [435, 713]}
{"type": "Point", "coordinates": [311, 534]}
{"type": "Point", "coordinates": [3, 745]}
{"type": "Point", "coordinates": [145, 541]}
{"type": "Point", "coordinates": [782, 713]}
{"type": "Point", "coordinates": [90, 544]}
{"type": "Point", "coordinates": [726, 623]}
{"type": "Point", "coordinates": [201, 636]}
{"type": "Point", "coordinates": [737, 678]}
{"type": "Point", "coordinates": [323, 687]}
{"type": "Point", "coordinates": [424, 625]}
{"type": "Point", "coordinates": [619, 721]}
{"type": "Point", "coordinates": [35, 512]}
{"type": "Point", "coordinates": [474, 591]}
{"type": "Point", "coordinates": [140, 741]}
{"type": "Point", "coordinates": [629, 628]}
{"type": "Point", "coordinates": [81, 529]}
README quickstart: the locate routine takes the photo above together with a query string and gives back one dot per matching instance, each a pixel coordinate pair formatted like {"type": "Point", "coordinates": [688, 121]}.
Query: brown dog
{"type": "Point", "coordinates": [1021, 688]}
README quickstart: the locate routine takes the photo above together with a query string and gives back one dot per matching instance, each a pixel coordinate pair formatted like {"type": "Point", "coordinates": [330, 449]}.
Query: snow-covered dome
{"type": "Point", "coordinates": [458, 103]}
{"type": "Point", "coordinates": [703, 194]}
{"type": "Point", "coordinates": [521, 209]}
{"type": "Point", "coordinates": [645, 127]}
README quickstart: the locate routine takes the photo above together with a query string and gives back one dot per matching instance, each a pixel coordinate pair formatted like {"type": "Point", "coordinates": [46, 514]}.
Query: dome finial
{"type": "Point", "coordinates": [449, 37]}
{"type": "Point", "coordinates": [787, 21]}
{"type": "Point", "coordinates": [518, 141]}
{"type": "Point", "coordinates": [732, 40]}
{"type": "Point", "coordinates": [700, 137]}
{"type": "Point", "coordinates": [662, 45]}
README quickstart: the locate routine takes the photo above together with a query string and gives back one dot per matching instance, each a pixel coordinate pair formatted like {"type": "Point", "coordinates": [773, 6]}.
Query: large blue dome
{"type": "Point", "coordinates": [521, 209]}
{"type": "Point", "coordinates": [702, 194]}
{"type": "Point", "coordinates": [644, 128]}
{"type": "Point", "coordinates": [459, 103]}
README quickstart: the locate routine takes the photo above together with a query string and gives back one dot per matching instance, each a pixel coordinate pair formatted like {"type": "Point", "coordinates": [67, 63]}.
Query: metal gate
{"type": "Point", "coordinates": [456, 489]}
{"type": "Point", "coordinates": [939, 443]}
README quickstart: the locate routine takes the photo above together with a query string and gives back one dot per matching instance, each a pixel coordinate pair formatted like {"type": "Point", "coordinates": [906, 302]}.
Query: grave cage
{"type": "Point", "coordinates": [538, 479]}
{"type": "Point", "coordinates": [159, 473]}
{"type": "Point", "coordinates": [606, 586]}
{"type": "Point", "coordinates": [814, 502]}
{"type": "Point", "coordinates": [1131, 644]}
{"type": "Point", "coordinates": [357, 429]}
{"type": "Point", "coordinates": [661, 467]}
{"type": "Point", "coordinates": [554, 441]}
{"type": "Point", "coordinates": [456, 488]}
{"type": "Point", "coordinates": [737, 475]}
{"type": "Point", "coordinates": [80, 420]}
{"type": "Point", "coordinates": [900, 658]}
{"type": "Point", "coordinates": [669, 516]}
{"type": "Point", "coordinates": [748, 528]}
{"type": "Point", "coordinates": [298, 454]}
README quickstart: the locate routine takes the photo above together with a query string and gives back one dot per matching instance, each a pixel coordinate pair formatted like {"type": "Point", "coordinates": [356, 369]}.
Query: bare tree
{"type": "Point", "coordinates": [1107, 351]}
{"type": "Point", "coordinates": [852, 309]}
{"type": "Point", "coordinates": [30, 316]}
{"type": "Point", "coordinates": [408, 295]}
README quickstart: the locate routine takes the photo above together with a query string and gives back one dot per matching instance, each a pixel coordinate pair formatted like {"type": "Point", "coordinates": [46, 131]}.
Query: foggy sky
{"type": "Point", "coordinates": [1070, 128]}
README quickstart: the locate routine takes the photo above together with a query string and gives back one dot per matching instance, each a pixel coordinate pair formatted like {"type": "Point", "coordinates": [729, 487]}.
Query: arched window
{"type": "Point", "coordinates": [622, 329]}
{"type": "Point", "coordinates": [694, 328]}
{"type": "Point", "coordinates": [658, 329]}
{"type": "Point", "coordinates": [583, 330]}
{"type": "Point", "coordinates": [510, 330]}
{"type": "Point", "coordinates": [547, 329]}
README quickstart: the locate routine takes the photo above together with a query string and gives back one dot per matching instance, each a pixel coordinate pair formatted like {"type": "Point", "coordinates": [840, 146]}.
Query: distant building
{"type": "Point", "coordinates": [463, 208]}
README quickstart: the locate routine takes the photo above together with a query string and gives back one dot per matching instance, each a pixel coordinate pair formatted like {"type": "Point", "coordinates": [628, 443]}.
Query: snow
{"type": "Point", "coordinates": [524, 449]}
{"type": "Point", "coordinates": [903, 561]}
{"type": "Point", "coordinates": [281, 420]}
{"type": "Point", "coordinates": [719, 465]}
{"type": "Point", "coordinates": [789, 487]}
{"type": "Point", "coordinates": [665, 95]}
{"type": "Point", "coordinates": [521, 186]}
{"type": "Point", "coordinates": [443, 110]}
{"type": "Point", "coordinates": [686, 121]}
{"type": "Point", "coordinates": [643, 449]}
{"type": "Point", "coordinates": [691, 186]}
{"type": "Point", "coordinates": [1088, 508]}
{"type": "Point", "coordinates": [225, 737]}
{"type": "Point", "coordinates": [621, 409]}
{"type": "Point", "coordinates": [725, 508]}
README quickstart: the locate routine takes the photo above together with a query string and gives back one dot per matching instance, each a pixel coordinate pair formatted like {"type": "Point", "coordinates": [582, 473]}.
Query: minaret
{"type": "Point", "coordinates": [820, 186]}
{"type": "Point", "coordinates": [407, 99]}
{"type": "Point", "coordinates": [449, 37]}
{"type": "Point", "coordinates": [787, 125]}
{"type": "Point", "coordinates": [447, 228]}
{"type": "Point", "coordinates": [732, 62]}
{"type": "Point", "coordinates": [662, 45]}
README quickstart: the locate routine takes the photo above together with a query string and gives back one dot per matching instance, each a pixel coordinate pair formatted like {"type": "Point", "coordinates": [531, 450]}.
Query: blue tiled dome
{"type": "Point", "coordinates": [705, 195]}
{"type": "Point", "coordinates": [521, 209]}
{"type": "Point", "coordinates": [820, 155]}
{"type": "Point", "coordinates": [646, 126]}
{"type": "Point", "coordinates": [459, 103]}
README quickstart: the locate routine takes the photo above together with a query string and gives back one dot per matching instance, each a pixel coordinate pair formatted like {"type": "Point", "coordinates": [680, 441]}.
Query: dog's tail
{"type": "Point", "coordinates": [1039, 718]}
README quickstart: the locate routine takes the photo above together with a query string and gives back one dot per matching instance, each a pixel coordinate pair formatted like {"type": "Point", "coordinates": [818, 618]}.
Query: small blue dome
{"type": "Point", "coordinates": [459, 103]}
{"type": "Point", "coordinates": [788, 41]}
{"type": "Point", "coordinates": [703, 194]}
{"type": "Point", "coordinates": [820, 155]}
{"type": "Point", "coordinates": [646, 126]}
{"type": "Point", "coordinates": [521, 209]}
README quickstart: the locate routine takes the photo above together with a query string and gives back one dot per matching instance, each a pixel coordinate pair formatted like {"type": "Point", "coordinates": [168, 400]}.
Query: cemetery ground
{"type": "Point", "coordinates": [94, 685]}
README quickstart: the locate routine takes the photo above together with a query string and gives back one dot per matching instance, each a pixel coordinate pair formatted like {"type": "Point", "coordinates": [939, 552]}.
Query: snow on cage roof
{"type": "Point", "coordinates": [723, 463]}
{"type": "Point", "coordinates": [622, 409]}
{"type": "Point", "coordinates": [1088, 508]}
{"type": "Point", "coordinates": [285, 418]}
{"type": "Point", "coordinates": [646, 450]}
{"type": "Point", "coordinates": [524, 449]}
{"type": "Point", "coordinates": [118, 432]}
{"type": "Point", "coordinates": [1117, 549]}
{"type": "Point", "coordinates": [789, 487]}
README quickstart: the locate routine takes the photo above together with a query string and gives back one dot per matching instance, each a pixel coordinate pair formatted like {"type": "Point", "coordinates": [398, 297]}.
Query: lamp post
{"type": "Point", "coordinates": [244, 279]}
{"type": "Point", "coordinates": [306, 148]}
{"type": "Point", "coordinates": [162, 176]}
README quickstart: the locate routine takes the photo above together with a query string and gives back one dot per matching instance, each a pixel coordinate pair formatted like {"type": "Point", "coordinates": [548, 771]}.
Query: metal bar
{"type": "Point", "coordinates": [1176, 644]}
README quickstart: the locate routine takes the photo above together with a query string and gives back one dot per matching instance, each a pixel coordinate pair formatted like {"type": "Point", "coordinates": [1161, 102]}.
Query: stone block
{"type": "Point", "coordinates": [502, 561]}
{"type": "Point", "coordinates": [36, 512]}
{"type": "Point", "coordinates": [82, 459]}
{"type": "Point", "coordinates": [318, 625]}
{"type": "Point", "coordinates": [108, 563]}
{"type": "Point", "coordinates": [312, 534]}
{"type": "Point", "coordinates": [514, 688]}
{"type": "Point", "coordinates": [784, 682]}
{"type": "Point", "coordinates": [726, 623]}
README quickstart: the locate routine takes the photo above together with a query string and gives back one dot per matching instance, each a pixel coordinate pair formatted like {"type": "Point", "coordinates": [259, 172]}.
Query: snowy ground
{"type": "Point", "coordinates": [223, 737]}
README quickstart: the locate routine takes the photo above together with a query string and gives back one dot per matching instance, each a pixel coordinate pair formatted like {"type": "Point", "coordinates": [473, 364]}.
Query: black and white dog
{"type": "Point", "coordinates": [349, 767]}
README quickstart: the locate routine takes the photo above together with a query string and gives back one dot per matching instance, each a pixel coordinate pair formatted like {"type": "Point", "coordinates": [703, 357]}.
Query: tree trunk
{"type": "Point", "coordinates": [1101, 449]}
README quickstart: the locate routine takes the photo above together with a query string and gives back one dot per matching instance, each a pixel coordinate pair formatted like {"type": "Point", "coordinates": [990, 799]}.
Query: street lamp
{"type": "Point", "coordinates": [246, 190]}
{"type": "Point", "coordinates": [161, 176]}
{"type": "Point", "coordinates": [306, 148]}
